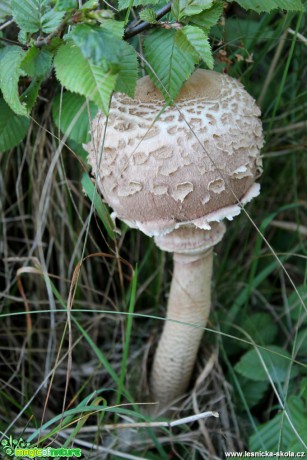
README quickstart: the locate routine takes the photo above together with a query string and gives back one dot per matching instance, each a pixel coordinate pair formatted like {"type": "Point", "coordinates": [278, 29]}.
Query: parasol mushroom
{"type": "Point", "coordinates": [175, 174]}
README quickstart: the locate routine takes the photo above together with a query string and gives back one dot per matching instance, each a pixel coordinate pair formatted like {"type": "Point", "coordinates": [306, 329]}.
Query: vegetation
{"type": "Point", "coordinates": [76, 341]}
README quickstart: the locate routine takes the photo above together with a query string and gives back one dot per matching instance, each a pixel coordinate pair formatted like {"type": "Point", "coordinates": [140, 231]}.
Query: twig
{"type": "Point", "coordinates": [299, 36]}
{"type": "Point", "coordinates": [134, 28]}
{"type": "Point", "coordinates": [273, 65]}
{"type": "Point", "coordinates": [161, 424]}
{"type": "Point", "coordinates": [294, 126]}
{"type": "Point", "coordinates": [40, 42]}
{"type": "Point", "coordinates": [116, 426]}
{"type": "Point", "coordinates": [11, 42]}
{"type": "Point", "coordinates": [6, 24]}
{"type": "Point", "coordinates": [291, 226]}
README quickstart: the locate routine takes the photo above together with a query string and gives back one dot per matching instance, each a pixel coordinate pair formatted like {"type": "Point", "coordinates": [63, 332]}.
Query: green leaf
{"type": "Point", "coordinates": [13, 128]}
{"type": "Point", "coordinates": [123, 4]}
{"type": "Point", "coordinates": [251, 367]}
{"type": "Point", "coordinates": [35, 15]}
{"type": "Point", "coordinates": [296, 446]}
{"type": "Point", "coordinates": [253, 391]}
{"type": "Point", "coordinates": [148, 15]}
{"type": "Point", "coordinates": [90, 5]}
{"type": "Point", "coordinates": [200, 42]}
{"type": "Point", "coordinates": [77, 149]}
{"type": "Point", "coordinates": [99, 46]}
{"type": "Point", "coordinates": [128, 70]}
{"type": "Point", "coordinates": [269, 5]}
{"type": "Point", "coordinates": [182, 8]}
{"type": "Point", "coordinates": [261, 328]}
{"type": "Point", "coordinates": [96, 44]}
{"type": "Point", "coordinates": [37, 62]}
{"type": "Point", "coordinates": [65, 5]}
{"type": "Point", "coordinates": [29, 96]}
{"type": "Point", "coordinates": [10, 73]}
{"type": "Point", "coordinates": [117, 28]}
{"type": "Point", "coordinates": [65, 111]}
{"type": "Point", "coordinates": [208, 18]}
{"type": "Point", "coordinates": [278, 433]}
{"type": "Point", "coordinates": [5, 9]}
{"type": "Point", "coordinates": [80, 76]}
{"type": "Point", "coordinates": [100, 207]}
{"type": "Point", "coordinates": [23, 37]}
{"type": "Point", "coordinates": [51, 20]}
{"type": "Point", "coordinates": [169, 66]}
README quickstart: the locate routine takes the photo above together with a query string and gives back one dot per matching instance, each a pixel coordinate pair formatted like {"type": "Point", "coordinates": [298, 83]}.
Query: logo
{"type": "Point", "coordinates": [19, 448]}
{"type": "Point", "coordinates": [8, 446]}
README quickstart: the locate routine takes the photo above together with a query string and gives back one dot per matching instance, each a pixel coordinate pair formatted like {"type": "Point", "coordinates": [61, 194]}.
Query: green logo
{"type": "Point", "coordinates": [9, 445]}
{"type": "Point", "coordinates": [19, 448]}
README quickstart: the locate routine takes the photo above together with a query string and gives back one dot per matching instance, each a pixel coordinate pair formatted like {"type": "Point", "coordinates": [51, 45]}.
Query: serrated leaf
{"type": "Point", "coordinates": [148, 15]}
{"type": "Point", "coordinates": [90, 5]}
{"type": "Point", "coordinates": [92, 81]}
{"type": "Point", "coordinates": [296, 445]}
{"type": "Point", "coordinates": [260, 327]}
{"type": "Point", "coordinates": [29, 96]}
{"type": "Point", "coordinates": [13, 128]}
{"type": "Point", "coordinates": [35, 15]}
{"type": "Point", "coordinates": [117, 28]}
{"type": "Point", "coordinates": [10, 72]}
{"type": "Point", "coordinates": [200, 42]}
{"type": "Point", "coordinates": [54, 44]}
{"type": "Point", "coordinates": [64, 111]}
{"type": "Point", "coordinates": [100, 46]}
{"type": "Point", "coordinates": [269, 5]}
{"type": "Point", "coordinates": [51, 20]}
{"type": "Point", "coordinates": [251, 367]}
{"type": "Point", "coordinates": [65, 5]}
{"type": "Point", "coordinates": [23, 36]}
{"type": "Point", "coordinates": [123, 4]}
{"type": "Point", "coordinates": [182, 8]}
{"type": "Point", "coordinates": [277, 434]}
{"type": "Point", "coordinates": [208, 18]}
{"type": "Point", "coordinates": [128, 70]}
{"type": "Point", "coordinates": [100, 207]}
{"type": "Point", "coordinates": [37, 62]}
{"type": "Point", "coordinates": [169, 66]}
{"type": "Point", "coordinates": [96, 43]}
{"type": "Point", "coordinates": [253, 391]}
{"type": "Point", "coordinates": [5, 9]}
{"type": "Point", "coordinates": [183, 43]}
{"type": "Point", "coordinates": [77, 149]}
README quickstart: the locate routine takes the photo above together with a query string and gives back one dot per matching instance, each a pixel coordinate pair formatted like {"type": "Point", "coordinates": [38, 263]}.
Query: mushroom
{"type": "Point", "coordinates": [175, 174]}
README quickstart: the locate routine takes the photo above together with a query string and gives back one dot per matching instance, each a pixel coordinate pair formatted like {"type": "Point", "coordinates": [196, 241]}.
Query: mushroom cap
{"type": "Point", "coordinates": [189, 164]}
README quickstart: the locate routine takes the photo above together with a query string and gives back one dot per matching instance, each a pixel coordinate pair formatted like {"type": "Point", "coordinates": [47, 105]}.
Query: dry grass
{"type": "Point", "coordinates": [49, 364]}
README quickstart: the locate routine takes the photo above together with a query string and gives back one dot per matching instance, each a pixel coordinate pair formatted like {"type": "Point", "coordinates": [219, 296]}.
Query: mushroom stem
{"type": "Point", "coordinates": [189, 304]}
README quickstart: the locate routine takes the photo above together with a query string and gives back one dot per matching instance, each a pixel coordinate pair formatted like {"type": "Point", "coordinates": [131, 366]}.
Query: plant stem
{"type": "Point", "coordinates": [135, 28]}
{"type": "Point", "coordinates": [188, 305]}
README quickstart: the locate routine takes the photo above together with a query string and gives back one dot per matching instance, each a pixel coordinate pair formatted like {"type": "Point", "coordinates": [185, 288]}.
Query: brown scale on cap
{"type": "Point", "coordinates": [158, 174]}
{"type": "Point", "coordinates": [175, 174]}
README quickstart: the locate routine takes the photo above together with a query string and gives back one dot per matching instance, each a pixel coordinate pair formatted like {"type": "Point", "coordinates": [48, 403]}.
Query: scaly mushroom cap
{"type": "Point", "coordinates": [188, 164]}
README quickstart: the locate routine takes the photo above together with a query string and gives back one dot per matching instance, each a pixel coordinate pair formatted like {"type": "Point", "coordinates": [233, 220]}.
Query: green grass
{"type": "Point", "coordinates": [102, 355]}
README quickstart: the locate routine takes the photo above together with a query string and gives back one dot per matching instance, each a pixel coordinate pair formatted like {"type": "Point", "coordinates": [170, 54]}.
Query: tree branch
{"type": "Point", "coordinates": [135, 28]}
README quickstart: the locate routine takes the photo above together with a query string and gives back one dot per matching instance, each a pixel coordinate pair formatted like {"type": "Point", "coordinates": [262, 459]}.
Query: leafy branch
{"type": "Point", "coordinates": [92, 51]}
{"type": "Point", "coordinates": [136, 27]}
